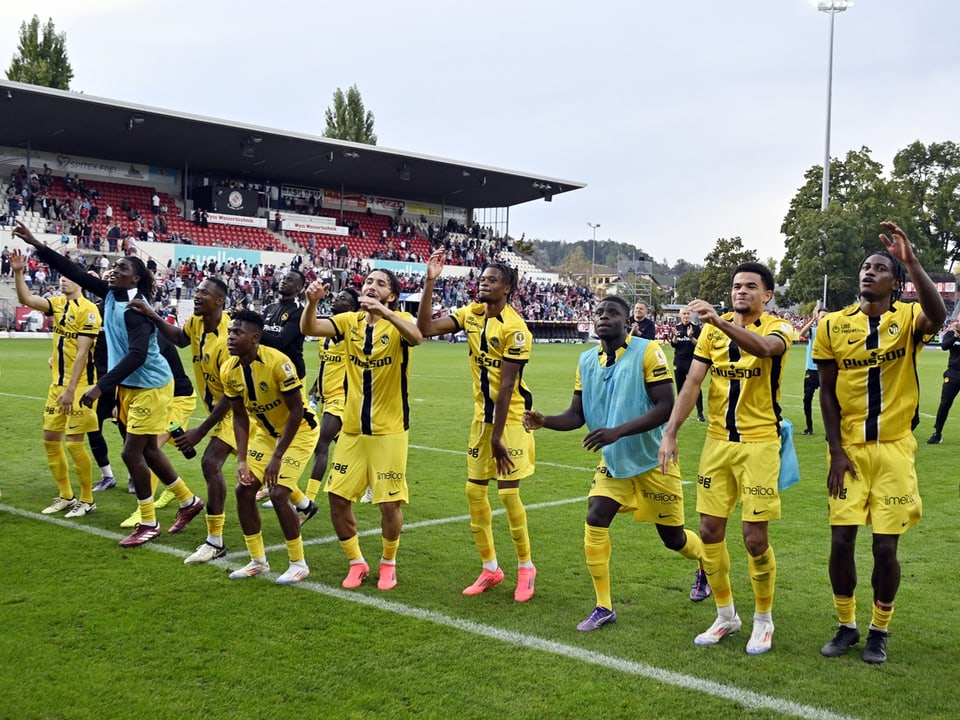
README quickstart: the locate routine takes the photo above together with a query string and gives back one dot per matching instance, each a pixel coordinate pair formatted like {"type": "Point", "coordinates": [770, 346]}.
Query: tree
{"type": "Point", "coordinates": [834, 241]}
{"type": "Point", "coordinates": [41, 57]}
{"type": "Point", "coordinates": [575, 263]}
{"type": "Point", "coordinates": [927, 183]}
{"type": "Point", "coordinates": [348, 119]}
{"type": "Point", "coordinates": [687, 287]}
{"type": "Point", "coordinates": [716, 278]}
{"type": "Point", "coordinates": [523, 247]}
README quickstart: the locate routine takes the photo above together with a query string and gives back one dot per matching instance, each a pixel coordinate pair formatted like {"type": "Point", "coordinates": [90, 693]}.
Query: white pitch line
{"type": "Point", "coordinates": [410, 526]}
{"type": "Point", "coordinates": [747, 698]}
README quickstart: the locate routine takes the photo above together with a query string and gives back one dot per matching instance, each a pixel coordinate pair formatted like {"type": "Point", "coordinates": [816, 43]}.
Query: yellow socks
{"type": "Point", "coordinates": [716, 564]}
{"type": "Point", "coordinates": [57, 462]}
{"type": "Point", "coordinates": [294, 549]}
{"type": "Point", "coordinates": [882, 614]}
{"type": "Point", "coordinates": [481, 521]}
{"type": "Point", "coordinates": [255, 546]}
{"type": "Point", "coordinates": [351, 548]}
{"type": "Point", "coordinates": [390, 549]}
{"type": "Point", "coordinates": [313, 488]}
{"type": "Point", "coordinates": [693, 548]}
{"type": "Point", "coordinates": [763, 578]}
{"type": "Point", "coordinates": [597, 549]}
{"type": "Point", "coordinates": [517, 520]}
{"type": "Point", "coordinates": [84, 466]}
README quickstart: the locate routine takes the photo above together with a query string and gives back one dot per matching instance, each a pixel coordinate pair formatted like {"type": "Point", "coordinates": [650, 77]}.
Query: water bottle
{"type": "Point", "coordinates": [175, 432]}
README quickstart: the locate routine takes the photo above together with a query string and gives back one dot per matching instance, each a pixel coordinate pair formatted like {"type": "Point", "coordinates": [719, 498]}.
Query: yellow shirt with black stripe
{"type": "Point", "coordinates": [209, 353]}
{"type": "Point", "coordinates": [378, 374]}
{"type": "Point", "coordinates": [71, 320]}
{"type": "Point", "coordinates": [743, 401]}
{"type": "Point", "coordinates": [491, 342]}
{"type": "Point", "coordinates": [876, 357]}
{"type": "Point", "coordinates": [333, 369]}
{"type": "Point", "coordinates": [262, 385]}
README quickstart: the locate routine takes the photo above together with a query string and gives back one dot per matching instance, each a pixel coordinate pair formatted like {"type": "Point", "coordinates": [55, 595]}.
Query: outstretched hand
{"type": "Point", "coordinates": [896, 243]}
{"type": "Point", "coordinates": [23, 232]}
{"type": "Point", "coordinates": [317, 291]}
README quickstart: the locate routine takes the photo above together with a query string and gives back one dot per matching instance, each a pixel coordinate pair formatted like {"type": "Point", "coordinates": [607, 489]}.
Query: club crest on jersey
{"type": "Point", "coordinates": [284, 317]}
{"type": "Point", "coordinates": [384, 340]}
{"type": "Point", "coordinates": [263, 386]}
{"type": "Point", "coordinates": [494, 343]}
{"type": "Point", "coordinates": [894, 329]}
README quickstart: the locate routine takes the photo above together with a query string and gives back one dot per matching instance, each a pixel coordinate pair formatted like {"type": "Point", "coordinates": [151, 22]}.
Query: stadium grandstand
{"type": "Point", "coordinates": [102, 178]}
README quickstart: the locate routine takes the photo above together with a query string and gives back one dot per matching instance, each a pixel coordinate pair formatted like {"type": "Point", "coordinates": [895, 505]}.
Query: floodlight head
{"type": "Point", "coordinates": [833, 6]}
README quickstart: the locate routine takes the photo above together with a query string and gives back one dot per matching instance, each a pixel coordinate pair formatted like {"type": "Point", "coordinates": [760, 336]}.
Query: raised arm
{"type": "Point", "coordinates": [933, 312]}
{"type": "Point", "coordinates": [310, 324]}
{"type": "Point", "coordinates": [428, 325]}
{"type": "Point", "coordinates": [61, 264]}
{"type": "Point", "coordinates": [18, 261]}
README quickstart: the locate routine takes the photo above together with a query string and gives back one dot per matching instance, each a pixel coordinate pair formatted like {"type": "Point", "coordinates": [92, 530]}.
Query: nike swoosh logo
{"type": "Point", "coordinates": [606, 378]}
{"type": "Point", "coordinates": [759, 512]}
{"type": "Point", "coordinates": [852, 342]}
{"type": "Point", "coordinates": [393, 492]}
{"type": "Point", "coordinates": [904, 524]}
{"type": "Point", "coordinates": [663, 515]}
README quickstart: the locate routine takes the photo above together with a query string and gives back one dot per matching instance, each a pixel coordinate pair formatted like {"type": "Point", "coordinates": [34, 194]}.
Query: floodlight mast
{"type": "Point", "coordinates": [832, 7]}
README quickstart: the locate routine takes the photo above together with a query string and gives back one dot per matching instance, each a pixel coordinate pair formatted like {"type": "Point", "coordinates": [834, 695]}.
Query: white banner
{"type": "Point", "coordinates": [312, 224]}
{"type": "Point", "coordinates": [243, 220]}
{"type": "Point", "coordinates": [62, 164]}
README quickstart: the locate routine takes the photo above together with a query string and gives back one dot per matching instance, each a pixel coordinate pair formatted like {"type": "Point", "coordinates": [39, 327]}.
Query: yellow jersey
{"type": "Point", "coordinates": [743, 401]}
{"type": "Point", "coordinates": [491, 342]}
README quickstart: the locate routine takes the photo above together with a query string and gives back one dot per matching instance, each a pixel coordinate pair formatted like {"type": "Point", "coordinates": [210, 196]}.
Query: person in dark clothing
{"type": "Point", "coordinates": [105, 405]}
{"type": "Point", "coordinates": [683, 340]}
{"type": "Point", "coordinates": [643, 326]}
{"type": "Point", "coordinates": [281, 321]}
{"type": "Point", "coordinates": [949, 341]}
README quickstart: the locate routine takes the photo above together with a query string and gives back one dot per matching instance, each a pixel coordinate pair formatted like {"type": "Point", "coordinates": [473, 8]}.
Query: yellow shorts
{"type": "Point", "coordinates": [480, 462]}
{"type": "Point", "coordinates": [739, 470]}
{"type": "Point", "coordinates": [379, 461]}
{"type": "Point", "coordinates": [885, 492]}
{"type": "Point", "coordinates": [223, 430]}
{"type": "Point", "coordinates": [181, 410]}
{"type": "Point", "coordinates": [651, 496]}
{"type": "Point", "coordinates": [145, 411]}
{"type": "Point", "coordinates": [334, 406]}
{"type": "Point", "coordinates": [299, 455]}
{"type": "Point", "coordinates": [80, 421]}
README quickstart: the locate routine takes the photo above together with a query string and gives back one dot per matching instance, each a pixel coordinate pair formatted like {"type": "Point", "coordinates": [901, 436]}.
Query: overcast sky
{"type": "Point", "coordinates": [688, 121]}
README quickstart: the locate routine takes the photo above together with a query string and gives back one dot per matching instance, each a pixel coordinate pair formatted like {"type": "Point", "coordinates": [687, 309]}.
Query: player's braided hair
{"type": "Point", "coordinates": [146, 284]}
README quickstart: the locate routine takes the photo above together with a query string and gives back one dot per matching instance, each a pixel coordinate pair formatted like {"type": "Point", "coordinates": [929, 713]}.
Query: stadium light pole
{"type": "Point", "coordinates": [832, 7]}
{"type": "Point", "coordinates": [593, 262]}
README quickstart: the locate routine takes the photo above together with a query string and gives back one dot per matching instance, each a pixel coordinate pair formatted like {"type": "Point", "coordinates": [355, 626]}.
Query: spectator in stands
{"type": "Point", "coordinates": [277, 222]}
{"type": "Point", "coordinates": [155, 204]}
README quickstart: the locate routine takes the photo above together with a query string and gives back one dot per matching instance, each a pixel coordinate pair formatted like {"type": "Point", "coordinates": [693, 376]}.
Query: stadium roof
{"type": "Point", "coordinates": [70, 122]}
